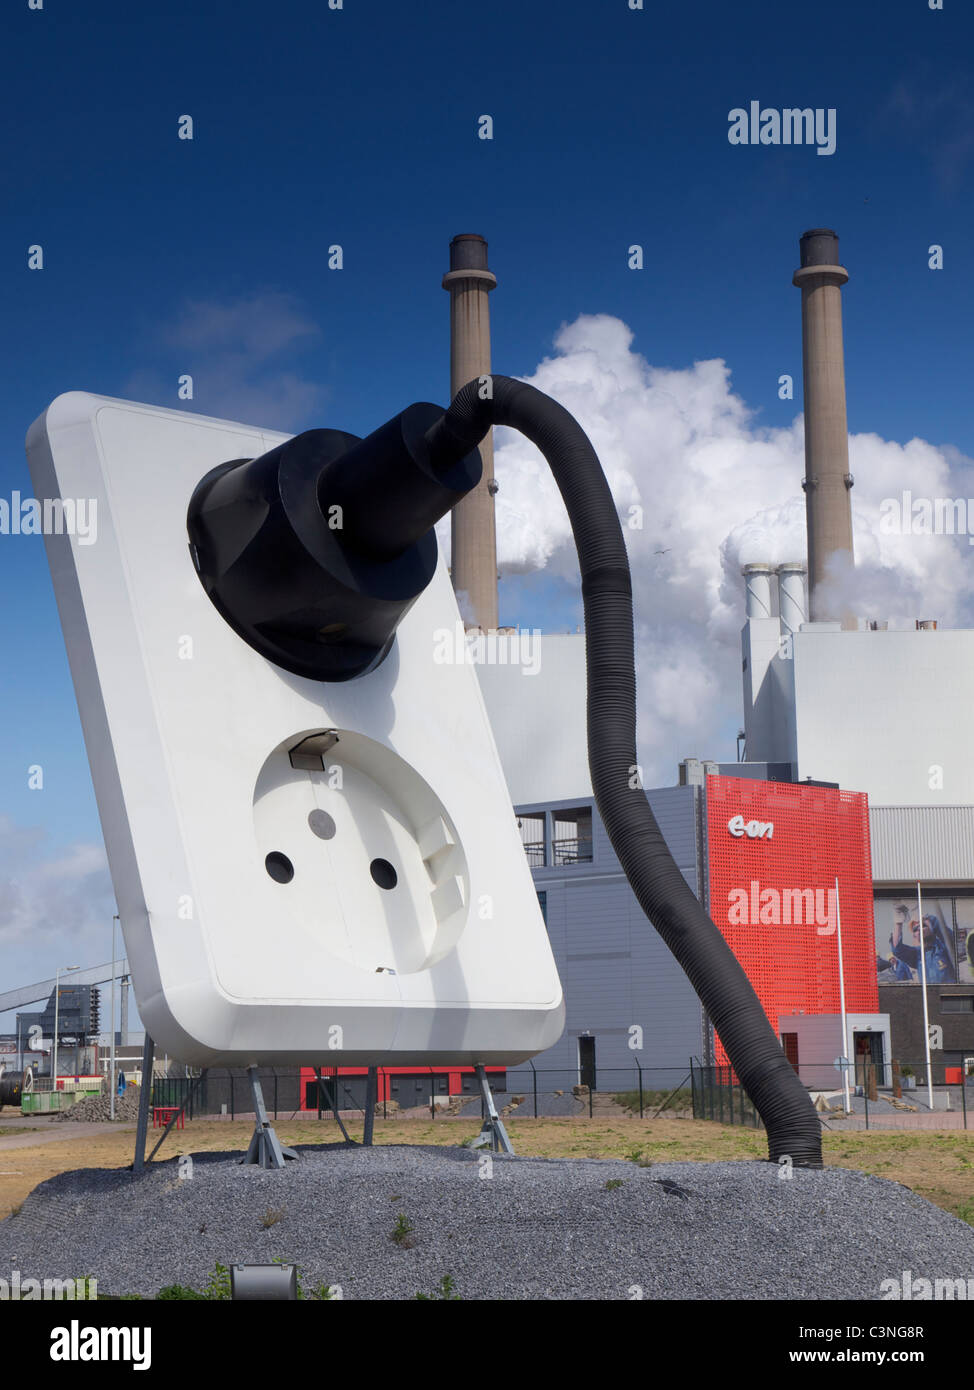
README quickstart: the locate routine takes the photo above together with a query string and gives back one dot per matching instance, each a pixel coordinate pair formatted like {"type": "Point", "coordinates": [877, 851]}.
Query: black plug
{"type": "Point", "coordinates": [314, 552]}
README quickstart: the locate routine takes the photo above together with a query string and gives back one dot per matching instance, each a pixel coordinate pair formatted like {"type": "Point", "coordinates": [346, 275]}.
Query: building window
{"type": "Point", "coordinates": [572, 839]}
{"type": "Point", "coordinates": [957, 1003]}
{"type": "Point", "coordinates": [531, 826]}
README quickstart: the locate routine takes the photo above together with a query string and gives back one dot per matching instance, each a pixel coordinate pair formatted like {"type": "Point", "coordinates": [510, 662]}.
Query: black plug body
{"type": "Point", "coordinates": [314, 552]}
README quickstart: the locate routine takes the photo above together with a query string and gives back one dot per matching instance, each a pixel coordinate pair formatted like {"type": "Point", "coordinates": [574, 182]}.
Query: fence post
{"type": "Point", "coordinates": [534, 1078]}
{"type": "Point", "coordinates": [871, 1080]}
{"type": "Point", "coordinates": [865, 1090]}
{"type": "Point", "coordinates": [590, 1102]}
{"type": "Point", "coordinates": [963, 1094]}
{"type": "Point", "coordinates": [640, 1070]}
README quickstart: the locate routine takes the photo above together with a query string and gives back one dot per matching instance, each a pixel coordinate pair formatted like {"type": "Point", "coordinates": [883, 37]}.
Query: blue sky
{"type": "Point", "coordinates": [359, 127]}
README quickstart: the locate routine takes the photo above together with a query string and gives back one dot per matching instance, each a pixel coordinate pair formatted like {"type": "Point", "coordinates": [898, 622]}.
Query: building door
{"type": "Point", "coordinates": [869, 1049]}
{"type": "Point", "coordinates": [586, 1061]}
{"type": "Point", "coordinates": [789, 1043]}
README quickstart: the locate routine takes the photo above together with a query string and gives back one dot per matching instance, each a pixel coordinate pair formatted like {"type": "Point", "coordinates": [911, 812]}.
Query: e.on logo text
{"type": "Point", "coordinates": [753, 829]}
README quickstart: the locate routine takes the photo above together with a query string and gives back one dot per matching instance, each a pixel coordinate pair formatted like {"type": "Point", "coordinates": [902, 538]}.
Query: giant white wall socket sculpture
{"type": "Point", "coordinates": [305, 871]}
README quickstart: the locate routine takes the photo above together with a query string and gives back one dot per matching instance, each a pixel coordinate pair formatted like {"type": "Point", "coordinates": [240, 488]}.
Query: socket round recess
{"type": "Point", "coordinates": [379, 875]}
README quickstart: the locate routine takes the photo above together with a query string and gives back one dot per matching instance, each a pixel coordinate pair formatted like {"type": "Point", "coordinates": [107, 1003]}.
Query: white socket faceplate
{"type": "Point", "coordinates": [409, 929]}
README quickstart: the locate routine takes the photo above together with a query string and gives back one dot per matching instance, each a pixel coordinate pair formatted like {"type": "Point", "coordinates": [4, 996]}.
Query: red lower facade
{"type": "Point", "coordinates": [434, 1080]}
{"type": "Point", "coordinates": [775, 850]}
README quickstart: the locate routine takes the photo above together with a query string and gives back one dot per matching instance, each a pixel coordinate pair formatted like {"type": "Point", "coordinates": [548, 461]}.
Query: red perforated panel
{"type": "Point", "coordinates": [772, 892]}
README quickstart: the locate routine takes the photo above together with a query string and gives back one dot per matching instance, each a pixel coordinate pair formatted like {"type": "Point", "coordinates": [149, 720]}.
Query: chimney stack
{"type": "Point", "coordinates": [757, 579]}
{"type": "Point", "coordinates": [791, 595]}
{"type": "Point", "coordinates": [827, 483]}
{"type": "Point", "coordinates": [474, 543]}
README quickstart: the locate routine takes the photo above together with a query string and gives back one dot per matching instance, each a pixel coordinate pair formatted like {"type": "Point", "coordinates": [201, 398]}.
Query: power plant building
{"type": "Point", "coordinates": [856, 738]}
{"type": "Point", "coordinates": [857, 766]}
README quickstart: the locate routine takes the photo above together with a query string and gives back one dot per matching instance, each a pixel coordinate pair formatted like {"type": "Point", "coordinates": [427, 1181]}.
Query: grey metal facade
{"type": "Point", "coordinates": [616, 972]}
{"type": "Point", "coordinates": [929, 843]}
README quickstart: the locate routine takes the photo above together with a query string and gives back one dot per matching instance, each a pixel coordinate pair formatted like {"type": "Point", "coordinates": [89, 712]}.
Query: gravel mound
{"type": "Point", "coordinates": [99, 1108]}
{"type": "Point", "coordinates": [520, 1228]}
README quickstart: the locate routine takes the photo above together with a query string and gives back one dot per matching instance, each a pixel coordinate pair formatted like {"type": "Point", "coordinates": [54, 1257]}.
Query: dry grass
{"type": "Point", "coordinates": [939, 1165]}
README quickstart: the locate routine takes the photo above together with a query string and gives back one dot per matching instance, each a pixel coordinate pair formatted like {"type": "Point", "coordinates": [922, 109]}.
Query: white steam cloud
{"type": "Point", "coordinates": [717, 490]}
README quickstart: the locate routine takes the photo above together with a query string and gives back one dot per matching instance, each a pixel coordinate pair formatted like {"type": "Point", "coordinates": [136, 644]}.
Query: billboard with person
{"type": "Point", "coordinates": [900, 938]}
{"type": "Point", "coordinates": [964, 939]}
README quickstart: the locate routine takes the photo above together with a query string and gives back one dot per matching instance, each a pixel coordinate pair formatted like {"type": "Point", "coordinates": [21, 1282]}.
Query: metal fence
{"type": "Point", "coordinates": [549, 1092]}
{"type": "Point", "coordinates": [717, 1095]}
{"type": "Point", "coordinates": [701, 1091]}
{"type": "Point", "coordinates": [877, 1091]}
{"type": "Point", "coordinates": [227, 1091]}
{"type": "Point", "coordinates": [528, 1091]}
{"type": "Point", "coordinates": [288, 1091]}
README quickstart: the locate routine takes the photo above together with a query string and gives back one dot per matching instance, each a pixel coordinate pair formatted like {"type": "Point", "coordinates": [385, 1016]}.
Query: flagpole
{"type": "Point", "coordinates": [845, 1025]}
{"type": "Point", "coordinates": [111, 1084]}
{"type": "Point", "coordinates": [926, 1016]}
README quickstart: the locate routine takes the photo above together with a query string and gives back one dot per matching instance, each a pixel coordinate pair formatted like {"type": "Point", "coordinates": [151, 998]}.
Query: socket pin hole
{"type": "Point", "coordinates": [383, 873]}
{"type": "Point", "coordinates": [279, 867]}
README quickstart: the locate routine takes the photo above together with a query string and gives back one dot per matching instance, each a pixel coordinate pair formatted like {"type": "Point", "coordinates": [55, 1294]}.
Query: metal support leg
{"type": "Point", "coordinates": [181, 1111]}
{"type": "Point", "coordinates": [371, 1088]}
{"type": "Point", "coordinates": [334, 1103]}
{"type": "Point", "coordinates": [492, 1134]}
{"type": "Point", "coordinates": [145, 1100]}
{"type": "Point", "coordinates": [265, 1147]}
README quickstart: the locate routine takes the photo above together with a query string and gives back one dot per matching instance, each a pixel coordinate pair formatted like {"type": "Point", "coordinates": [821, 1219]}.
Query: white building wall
{"type": "Point", "coordinates": [536, 709]}
{"type": "Point", "coordinates": [887, 713]}
{"type": "Point", "coordinates": [769, 693]}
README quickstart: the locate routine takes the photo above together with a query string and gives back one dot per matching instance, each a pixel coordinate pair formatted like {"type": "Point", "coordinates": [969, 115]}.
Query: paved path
{"type": "Point", "coordinates": [950, 1119]}
{"type": "Point", "coordinates": [56, 1133]}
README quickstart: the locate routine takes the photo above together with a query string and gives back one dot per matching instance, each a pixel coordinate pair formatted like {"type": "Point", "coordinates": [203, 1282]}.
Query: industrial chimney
{"type": "Point", "coordinates": [474, 543]}
{"type": "Point", "coordinates": [791, 595]}
{"type": "Point", "coordinates": [827, 483]}
{"type": "Point", "coordinates": [757, 579]}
